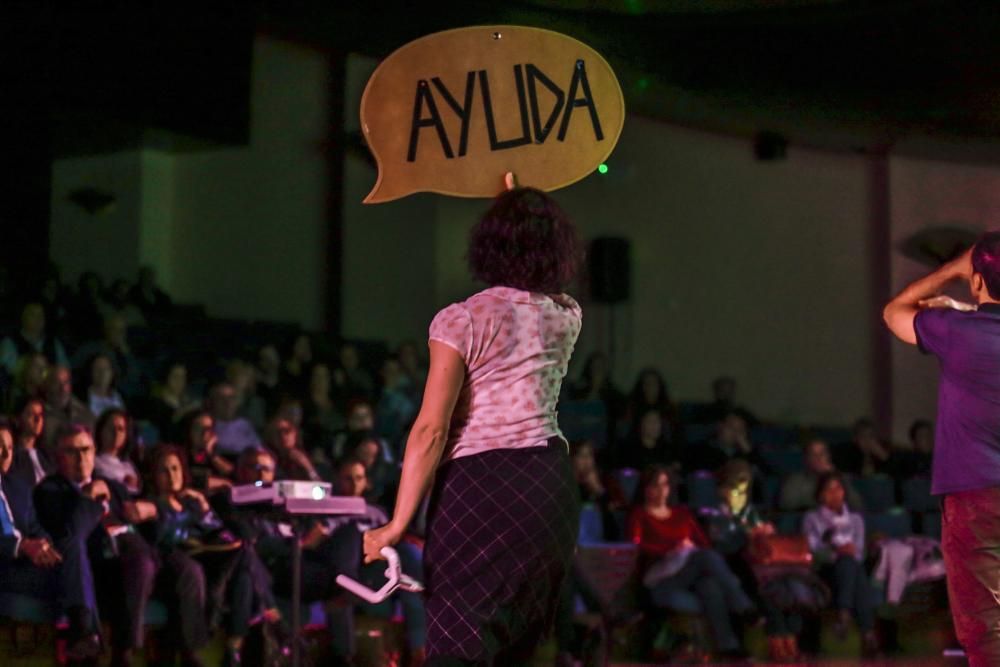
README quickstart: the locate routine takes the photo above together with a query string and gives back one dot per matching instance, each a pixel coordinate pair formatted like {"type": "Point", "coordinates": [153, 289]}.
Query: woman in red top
{"type": "Point", "coordinates": [675, 556]}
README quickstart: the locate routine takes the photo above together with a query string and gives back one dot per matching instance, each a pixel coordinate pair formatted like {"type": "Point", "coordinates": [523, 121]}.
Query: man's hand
{"type": "Point", "coordinates": [40, 552]}
{"type": "Point", "coordinates": [946, 302]}
{"type": "Point", "coordinates": [97, 490]}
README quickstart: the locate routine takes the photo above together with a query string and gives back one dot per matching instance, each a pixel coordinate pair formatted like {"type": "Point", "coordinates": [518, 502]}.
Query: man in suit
{"type": "Point", "coordinates": [30, 564]}
{"type": "Point", "coordinates": [89, 520]}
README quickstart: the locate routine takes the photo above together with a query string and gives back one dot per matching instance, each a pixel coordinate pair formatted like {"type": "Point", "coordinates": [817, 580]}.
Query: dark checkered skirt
{"type": "Point", "coordinates": [502, 527]}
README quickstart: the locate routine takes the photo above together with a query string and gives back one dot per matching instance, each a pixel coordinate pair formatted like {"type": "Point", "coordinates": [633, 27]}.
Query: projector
{"type": "Point", "coordinates": [306, 490]}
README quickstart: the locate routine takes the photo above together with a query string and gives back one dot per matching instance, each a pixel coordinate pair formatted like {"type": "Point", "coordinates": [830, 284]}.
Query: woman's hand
{"type": "Point", "coordinates": [373, 541]}
{"type": "Point", "coordinates": [197, 497]}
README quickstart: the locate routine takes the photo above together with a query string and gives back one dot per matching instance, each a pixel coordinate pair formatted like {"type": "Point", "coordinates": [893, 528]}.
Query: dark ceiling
{"type": "Point", "coordinates": [917, 76]}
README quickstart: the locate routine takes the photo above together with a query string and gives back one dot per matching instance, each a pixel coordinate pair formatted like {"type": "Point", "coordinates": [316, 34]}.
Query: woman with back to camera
{"type": "Point", "coordinates": [503, 514]}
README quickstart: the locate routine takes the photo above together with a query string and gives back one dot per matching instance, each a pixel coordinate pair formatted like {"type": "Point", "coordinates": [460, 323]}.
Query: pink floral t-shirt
{"type": "Point", "coordinates": [516, 346]}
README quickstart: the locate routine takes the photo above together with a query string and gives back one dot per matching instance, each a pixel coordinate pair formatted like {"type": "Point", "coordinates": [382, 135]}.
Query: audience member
{"type": "Point", "coordinates": [210, 471]}
{"type": "Point", "coordinates": [353, 381]}
{"type": "Point", "coordinates": [61, 406]}
{"type": "Point", "coordinates": [118, 302]}
{"type": "Point", "coordinates": [397, 406]}
{"type": "Point", "coordinates": [730, 527]}
{"type": "Point", "coordinates": [102, 393]}
{"type": "Point", "coordinates": [234, 433]}
{"type": "Point", "coordinates": [650, 393]}
{"type": "Point", "coordinates": [866, 454]}
{"type": "Point", "coordinates": [113, 443]}
{"type": "Point", "coordinates": [31, 565]}
{"type": "Point", "coordinates": [917, 462]}
{"type": "Point", "coordinates": [595, 384]}
{"type": "Point", "coordinates": [321, 416]}
{"type": "Point", "coordinates": [649, 444]}
{"type": "Point", "coordinates": [31, 461]}
{"type": "Point", "coordinates": [414, 366]}
{"type": "Point", "coordinates": [114, 346]}
{"type": "Point", "coordinates": [268, 371]}
{"type": "Point", "coordinates": [605, 494]}
{"type": "Point", "coordinates": [837, 539]}
{"type": "Point", "coordinates": [29, 377]}
{"type": "Point", "coordinates": [193, 543]}
{"type": "Point", "coordinates": [298, 362]}
{"type": "Point", "coordinates": [383, 477]}
{"type": "Point", "coordinates": [676, 555]}
{"type": "Point", "coordinates": [251, 407]}
{"type": "Point", "coordinates": [88, 518]}
{"type": "Point", "coordinates": [31, 338]}
{"type": "Point", "coordinates": [148, 297]}
{"type": "Point", "coordinates": [732, 440]}
{"type": "Point", "coordinates": [171, 403]}
{"type": "Point", "coordinates": [282, 438]}
{"type": "Point", "coordinates": [724, 403]}
{"type": "Point", "coordinates": [327, 550]}
{"type": "Point", "coordinates": [798, 492]}
{"type": "Point", "coordinates": [54, 301]}
{"type": "Point", "coordinates": [85, 308]}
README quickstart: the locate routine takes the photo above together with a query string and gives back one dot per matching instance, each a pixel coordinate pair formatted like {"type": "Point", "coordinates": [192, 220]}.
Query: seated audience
{"type": "Point", "coordinates": [837, 539]}
{"type": "Point", "coordinates": [798, 492]}
{"type": "Point", "coordinates": [724, 403]}
{"type": "Point", "coordinates": [732, 440]}
{"type": "Point", "coordinates": [321, 418]}
{"type": "Point", "coordinates": [397, 406]}
{"type": "Point", "coordinates": [297, 367]}
{"type": "Point", "coordinates": [102, 393]}
{"type": "Point", "coordinates": [210, 471]}
{"type": "Point", "coordinates": [360, 421]}
{"type": "Point", "coordinates": [113, 442]}
{"type": "Point", "coordinates": [282, 438]}
{"type": "Point", "coordinates": [251, 407]}
{"type": "Point", "coordinates": [191, 538]}
{"type": "Point", "coordinates": [329, 548]}
{"type": "Point", "coordinates": [61, 406]}
{"type": "Point", "coordinates": [234, 433]}
{"type": "Point", "coordinates": [675, 554]}
{"type": "Point", "coordinates": [650, 393]}
{"type": "Point", "coordinates": [148, 297]}
{"type": "Point", "coordinates": [268, 372]}
{"type": "Point", "coordinates": [114, 346]}
{"type": "Point", "coordinates": [605, 494]}
{"type": "Point", "coordinates": [414, 367]}
{"type": "Point", "coordinates": [383, 477]}
{"type": "Point", "coordinates": [29, 377]}
{"type": "Point", "coordinates": [595, 384]}
{"type": "Point", "coordinates": [730, 527]}
{"type": "Point", "coordinates": [88, 518]}
{"type": "Point", "coordinates": [649, 444]}
{"type": "Point", "coordinates": [171, 403]}
{"type": "Point", "coordinates": [31, 565]}
{"type": "Point", "coordinates": [31, 338]}
{"type": "Point", "coordinates": [31, 460]}
{"type": "Point", "coordinates": [917, 462]}
{"type": "Point", "coordinates": [353, 380]}
{"type": "Point", "coordinates": [118, 302]}
{"type": "Point", "coordinates": [352, 481]}
{"type": "Point", "coordinates": [866, 454]}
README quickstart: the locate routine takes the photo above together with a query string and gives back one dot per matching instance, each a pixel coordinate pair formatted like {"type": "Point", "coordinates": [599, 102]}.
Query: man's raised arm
{"type": "Point", "coordinates": [926, 293]}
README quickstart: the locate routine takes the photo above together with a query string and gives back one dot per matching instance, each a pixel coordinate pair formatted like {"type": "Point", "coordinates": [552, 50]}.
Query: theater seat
{"type": "Point", "coordinates": [917, 495]}
{"type": "Point", "coordinates": [878, 492]}
{"type": "Point", "coordinates": [894, 523]}
{"type": "Point", "coordinates": [701, 490]}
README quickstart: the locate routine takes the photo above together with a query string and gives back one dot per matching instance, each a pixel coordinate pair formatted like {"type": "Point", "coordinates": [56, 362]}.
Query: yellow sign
{"type": "Point", "coordinates": [453, 112]}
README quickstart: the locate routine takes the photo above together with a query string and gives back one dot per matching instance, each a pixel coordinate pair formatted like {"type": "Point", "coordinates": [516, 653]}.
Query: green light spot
{"type": "Point", "coordinates": [634, 6]}
{"type": "Point", "coordinates": [643, 83]}
{"type": "Point", "coordinates": [602, 168]}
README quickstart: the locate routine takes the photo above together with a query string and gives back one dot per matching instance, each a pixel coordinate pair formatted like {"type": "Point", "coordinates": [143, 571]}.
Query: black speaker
{"type": "Point", "coordinates": [610, 269]}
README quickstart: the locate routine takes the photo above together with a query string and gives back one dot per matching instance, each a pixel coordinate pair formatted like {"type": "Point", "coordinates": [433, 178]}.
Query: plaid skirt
{"type": "Point", "coordinates": [502, 527]}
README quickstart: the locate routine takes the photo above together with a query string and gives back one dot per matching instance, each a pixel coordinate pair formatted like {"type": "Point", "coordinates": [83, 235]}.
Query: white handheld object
{"type": "Point", "coordinates": [395, 579]}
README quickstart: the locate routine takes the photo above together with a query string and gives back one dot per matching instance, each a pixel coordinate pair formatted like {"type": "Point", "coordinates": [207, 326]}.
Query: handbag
{"type": "Point", "coordinates": [779, 550]}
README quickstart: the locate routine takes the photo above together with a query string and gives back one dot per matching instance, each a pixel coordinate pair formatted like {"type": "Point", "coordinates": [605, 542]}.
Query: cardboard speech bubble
{"type": "Point", "coordinates": [454, 111]}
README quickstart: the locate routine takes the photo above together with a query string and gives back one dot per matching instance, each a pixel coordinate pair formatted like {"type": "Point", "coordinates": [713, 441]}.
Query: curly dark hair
{"type": "Point", "coordinates": [525, 241]}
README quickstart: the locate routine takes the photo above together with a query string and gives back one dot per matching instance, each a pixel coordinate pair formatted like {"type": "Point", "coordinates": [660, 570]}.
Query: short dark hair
{"type": "Point", "coordinates": [649, 475]}
{"type": "Point", "coordinates": [70, 431]}
{"type": "Point", "coordinates": [986, 261]}
{"type": "Point", "coordinates": [733, 473]}
{"type": "Point", "coordinates": [525, 241]}
{"type": "Point", "coordinates": [917, 425]}
{"type": "Point", "coordinates": [825, 480]}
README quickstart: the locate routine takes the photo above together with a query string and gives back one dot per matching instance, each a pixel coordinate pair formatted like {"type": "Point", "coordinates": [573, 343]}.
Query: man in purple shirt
{"type": "Point", "coordinates": [966, 466]}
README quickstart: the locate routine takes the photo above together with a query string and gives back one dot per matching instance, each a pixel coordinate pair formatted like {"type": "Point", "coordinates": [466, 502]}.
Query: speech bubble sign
{"type": "Point", "coordinates": [454, 111]}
